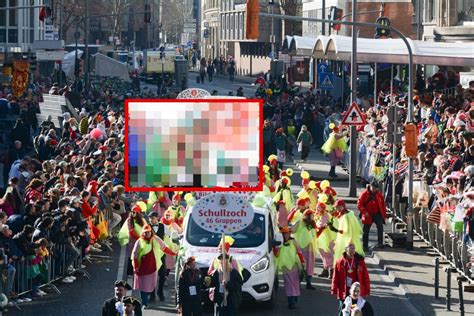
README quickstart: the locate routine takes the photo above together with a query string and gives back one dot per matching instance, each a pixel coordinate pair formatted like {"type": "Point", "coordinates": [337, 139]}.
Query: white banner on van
{"type": "Point", "coordinates": [223, 213]}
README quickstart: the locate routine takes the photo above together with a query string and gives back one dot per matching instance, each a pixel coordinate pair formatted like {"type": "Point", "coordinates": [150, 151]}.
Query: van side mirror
{"type": "Point", "coordinates": [276, 243]}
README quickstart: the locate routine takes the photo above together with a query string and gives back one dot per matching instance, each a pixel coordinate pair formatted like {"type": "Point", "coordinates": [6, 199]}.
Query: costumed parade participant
{"type": "Point", "coordinates": [347, 270]}
{"type": "Point", "coordinates": [146, 258]}
{"type": "Point", "coordinates": [130, 233]}
{"type": "Point", "coordinates": [159, 202]}
{"type": "Point", "coordinates": [177, 209]}
{"type": "Point", "coordinates": [304, 233]}
{"type": "Point", "coordinates": [308, 186]}
{"type": "Point", "coordinates": [225, 281]}
{"type": "Point", "coordinates": [189, 290]}
{"type": "Point", "coordinates": [283, 191]}
{"type": "Point", "coordinates": [130, 305]}
{"type": "Point", "coordinates": [274, 170]}
{"type": "Point", "coordinates": [159, 230]}
{"type": "Point", "coordinates": [172, 231]}
{"type": "Point", "coordinates": [302, 204]}
{"type": "Point", "coordinates": [290, 262]}
{"type": "Point", "coordinates": [115, 305]}
{"type": "Point", "coordinates": [334, 147]}
{"type": "Point", "coordinates": [349, 229]}
{"type": "Point", "coordinates": [326, 237]}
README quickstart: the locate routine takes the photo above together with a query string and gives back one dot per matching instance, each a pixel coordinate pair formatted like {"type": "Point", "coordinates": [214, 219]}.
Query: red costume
{"type": "Point", "coordinates": [349, 271]}
{"type": "Point", "coordinates": [371, 203]}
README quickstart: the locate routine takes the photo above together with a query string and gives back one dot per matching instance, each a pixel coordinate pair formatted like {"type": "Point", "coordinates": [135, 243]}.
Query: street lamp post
{"type": "Point", "coordinates": [353, 136]}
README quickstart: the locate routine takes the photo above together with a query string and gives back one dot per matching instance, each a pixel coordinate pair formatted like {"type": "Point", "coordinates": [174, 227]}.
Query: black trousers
{"type": "Point", "coordinates": [304, 152]}
{"type": "Point", "coordinates": [161, 278]}
{"type": "Point", "coordinates": [378, 220]}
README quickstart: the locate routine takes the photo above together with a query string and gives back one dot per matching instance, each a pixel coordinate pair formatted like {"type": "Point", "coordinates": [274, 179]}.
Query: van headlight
{"type": "Point", "coordinates": [261, 265]}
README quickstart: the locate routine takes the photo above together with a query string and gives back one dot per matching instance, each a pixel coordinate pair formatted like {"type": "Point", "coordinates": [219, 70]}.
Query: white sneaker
{"type": "Point", "coordinates": [20, 300]}
{"type": "Point", "coordinates": [93, 249]}
{"type": "Point", "coordinates": [27, 299]}
{"type": "Point", "coordinates": [43, 293]}
{"type": "Point", "coordinates": [10, 304]}
{"type": "Point", "coordinates": [72, 277]}
{"type": "Point", "coordinates": [83, 266]}
{"type": "Point", "coordinates": [97, 245]}
{"type": "Point", "coordinates": [67, 280]}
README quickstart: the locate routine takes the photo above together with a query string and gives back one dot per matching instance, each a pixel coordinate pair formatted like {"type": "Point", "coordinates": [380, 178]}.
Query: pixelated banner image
{"type": "Point", "coordinates": [202, 145]}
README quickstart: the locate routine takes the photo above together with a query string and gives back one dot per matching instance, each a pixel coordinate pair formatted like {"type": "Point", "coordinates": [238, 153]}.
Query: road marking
{"type": "Point", "coordinates": [121, 266]}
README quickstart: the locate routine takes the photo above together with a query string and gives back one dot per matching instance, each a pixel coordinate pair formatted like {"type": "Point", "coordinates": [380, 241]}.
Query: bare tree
{"type": "Point", "coordinates": [173, 16]}
{"type": "Point", "coordinates": [70, 11]}
{"type": "Point", "coordinates": [116, 7]}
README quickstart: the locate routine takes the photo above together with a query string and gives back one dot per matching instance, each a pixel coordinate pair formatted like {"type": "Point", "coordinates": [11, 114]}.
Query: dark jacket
{"type": "Point", "coordinates": [108, 309]}
{"type": "Point", "coordinates": [15, 222]}
{"type": "Point", "coordinates": [24, 244]}
{"type": "Point", "coordinates": [234, 288]}
{"type": "Point", "coordinates": [187, 279]}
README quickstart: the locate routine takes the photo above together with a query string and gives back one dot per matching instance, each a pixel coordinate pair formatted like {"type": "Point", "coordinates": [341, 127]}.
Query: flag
{"type": "Point", "coordinates": [44, 13]}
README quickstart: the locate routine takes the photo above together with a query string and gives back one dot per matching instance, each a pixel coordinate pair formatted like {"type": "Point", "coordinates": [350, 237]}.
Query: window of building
{"type": "Point", "coordinates": [12, 14]}
{"type": "Point", "coordinates": [13, 36]}
{"type": "Point", "coordinates": [3, 36]}
{"type": "Point", "coordinates": [3, 13]}
{"type": "Point", "coordinates": [430, 10]}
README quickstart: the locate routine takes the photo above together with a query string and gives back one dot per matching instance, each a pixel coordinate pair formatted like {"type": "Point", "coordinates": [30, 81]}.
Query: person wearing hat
{"type": "Point", "coordinates": [305, 234]}
{"type": "Point", "coordinates": [146, 261]}
{"type": "Point", "coordinates": [347, 270]}
{"type": "Point", "coordinates": [110, 306]}
{"type": "Point", "coordinates": [289, 262]}
{"type": "Point", "coordinates": [296, 213]}
{"type": "Point", "coordinates": [130, 305]}
{"type": "Point", "coordinates": [274, 171]}
{"type": "Point", "coordinates": [308, 188]}
{"type": "Point", "coordinates": [130, 233]}
{"type": "Point", "coordinates": [371, 205]}
{"type": "Point", "coordinates": [349, 229]}
{"type": "Point", "coordinates": [304, 142]}
{"type": "Point", "coordinates": [189, 290]}
{"type": "Point", "coordinates": [334, 148]}
{"type": "Point", "coordinates": [177, 209]}
{"type": "Point", "coordinates": [224, 278]}
{"type": "Point", "coordinates": [283, 192]}
{"type": "Point", "coordinates": [158, 201]}
{"type": "Point", "coordinates": [159, 230]}
{"type": "Point", "coordinates": [171, 231]}
{"type": "Point", "coordinates": [326, 237]}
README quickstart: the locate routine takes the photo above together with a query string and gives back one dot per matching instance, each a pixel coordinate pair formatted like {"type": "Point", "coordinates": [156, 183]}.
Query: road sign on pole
{"type": "Point", "coordinates": [353, 116]}
{"type": "Point", "coordinates": [326, 81]}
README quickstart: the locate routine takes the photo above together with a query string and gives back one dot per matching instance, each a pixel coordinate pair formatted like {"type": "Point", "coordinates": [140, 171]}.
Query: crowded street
{"type": "Point", "coordinates": [203, 157]}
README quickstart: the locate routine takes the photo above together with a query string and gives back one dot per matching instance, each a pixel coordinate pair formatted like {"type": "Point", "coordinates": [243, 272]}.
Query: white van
{"type": "Point", "coordinates": [252, 248]}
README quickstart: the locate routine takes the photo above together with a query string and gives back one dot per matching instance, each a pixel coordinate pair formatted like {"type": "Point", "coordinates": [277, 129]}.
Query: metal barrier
{"type": "Point", "coordinates": [31, 276]}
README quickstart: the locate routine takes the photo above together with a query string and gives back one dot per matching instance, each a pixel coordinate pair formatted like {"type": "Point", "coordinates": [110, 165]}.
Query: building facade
{"type": "Point", "coordinates": [448, 20]}
{"type": "Point", "coordinates": [19, 28]}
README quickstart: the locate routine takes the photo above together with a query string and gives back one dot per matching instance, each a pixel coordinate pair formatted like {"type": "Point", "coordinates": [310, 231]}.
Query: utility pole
{"type": "Point", "coordinates": [353, 140]}
{"type": "Point", "coordinates": [86, 46]}
{"type": "Point", "coordinates": [323, 16]}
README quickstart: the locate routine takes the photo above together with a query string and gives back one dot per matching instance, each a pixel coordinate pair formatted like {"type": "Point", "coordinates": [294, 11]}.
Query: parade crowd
{"type": "Point", "coordinates": [64, 199]}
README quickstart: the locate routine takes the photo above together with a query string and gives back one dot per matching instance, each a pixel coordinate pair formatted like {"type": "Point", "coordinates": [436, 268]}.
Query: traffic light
{"type": "Point", "coordinates": [396, 116]}
{"type": "Point", "coordinates": [336, 14]}
{"type": "Point", "coordinates": [380, 32]}
{"type": "Point", "coordinates": [147, 13]}
{"type": "Point", "coordinates": [251, 30]}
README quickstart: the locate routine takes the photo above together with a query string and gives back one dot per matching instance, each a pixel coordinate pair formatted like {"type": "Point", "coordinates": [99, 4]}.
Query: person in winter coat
{"type": "Point", "coordinates": [372, 209]}
{"type": "Point", "coordinates": [304, 140]}
{"type": "Point", "coordinates": [349, 269]}
{"type": "Point", "coordinates": [189, 290]}
{"type": "Point", "coordinates": [210, 72]}
{"type": "Point", "coordinates": [23, 241]}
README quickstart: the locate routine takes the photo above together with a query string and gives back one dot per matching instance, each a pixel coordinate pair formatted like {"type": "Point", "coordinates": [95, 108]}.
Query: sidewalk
{"type": "Point", "coordinates": [243, 79]}
{"type": "Point", "coordinates": [413, 272]}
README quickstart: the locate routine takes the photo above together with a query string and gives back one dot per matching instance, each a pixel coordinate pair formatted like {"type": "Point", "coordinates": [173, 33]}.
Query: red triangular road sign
{"type": "Point", "coordinates": [354, 116]}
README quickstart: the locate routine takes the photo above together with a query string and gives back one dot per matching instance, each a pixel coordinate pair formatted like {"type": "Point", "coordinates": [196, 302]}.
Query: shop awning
{"type": "Point", "coordinates": [302, 46]}
{"type": "Point", "coordinates": [394, 51]}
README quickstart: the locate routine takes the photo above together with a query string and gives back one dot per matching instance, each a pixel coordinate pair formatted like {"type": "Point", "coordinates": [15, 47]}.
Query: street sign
{"type": "Point", "coordinates": [206, 24]}
{"type": "Point", "coordinates": [189, 30]}
{"type": "Point", "coordinates": [223, 213]}
{"type": "Point", "coordinates": [189, 44]}
{"type": "Point", "coordinates": [322, 67]}
{"type": "Point", "coordinates": [206, 33]}
{"type": "Point", "coordinates": [326, 81]}
{"type": "Point", "coordinates": [353, 116]}
{"type": "Point", "coordinates": [50, 55]}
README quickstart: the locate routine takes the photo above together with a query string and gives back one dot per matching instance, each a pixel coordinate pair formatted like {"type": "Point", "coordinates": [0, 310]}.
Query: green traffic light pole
{"type": "Point", "coordinates": [352, 182]}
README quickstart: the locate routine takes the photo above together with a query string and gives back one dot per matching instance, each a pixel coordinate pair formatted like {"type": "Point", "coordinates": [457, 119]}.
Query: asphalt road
{"type": "Point", "coordinates": [221, 84]}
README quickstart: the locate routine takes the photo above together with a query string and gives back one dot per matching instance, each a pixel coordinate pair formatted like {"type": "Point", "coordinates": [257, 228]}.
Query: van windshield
{"type": "Point", "coordinates": [251, 236]}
